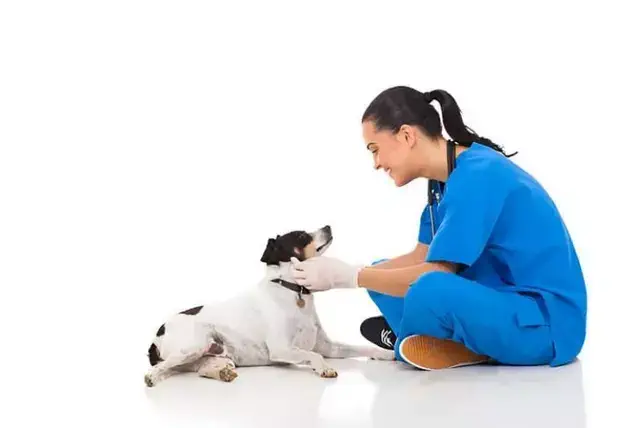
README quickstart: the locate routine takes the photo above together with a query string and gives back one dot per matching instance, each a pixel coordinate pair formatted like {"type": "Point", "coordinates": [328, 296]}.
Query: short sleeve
{"type": "Point", "coordinates": [470, 209]}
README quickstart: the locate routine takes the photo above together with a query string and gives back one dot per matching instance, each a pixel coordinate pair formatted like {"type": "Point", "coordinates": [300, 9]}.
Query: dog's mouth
{"type": "Point", "coordinates": [325, 245]}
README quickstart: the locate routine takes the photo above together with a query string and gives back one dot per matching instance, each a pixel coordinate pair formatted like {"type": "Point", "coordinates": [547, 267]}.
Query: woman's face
{"type": "Point", "coordinates": [391, 152]}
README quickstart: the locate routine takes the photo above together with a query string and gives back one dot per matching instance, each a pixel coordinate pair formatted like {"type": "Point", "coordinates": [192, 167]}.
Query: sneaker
{"type": "Point", "coordinates": [377, 331]}
{"type": "Point", "coordinates": [430, 353]}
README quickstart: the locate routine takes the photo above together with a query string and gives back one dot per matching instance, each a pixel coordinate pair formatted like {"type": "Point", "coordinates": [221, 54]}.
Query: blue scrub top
{"type": "Point", "coordinates": [500, 224]}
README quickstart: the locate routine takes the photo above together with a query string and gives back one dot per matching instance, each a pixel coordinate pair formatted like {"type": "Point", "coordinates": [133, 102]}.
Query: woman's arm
{"type": "Point", "coordinates": [396, 282]}
{"type": "Point", "coordinates": [413, 258]}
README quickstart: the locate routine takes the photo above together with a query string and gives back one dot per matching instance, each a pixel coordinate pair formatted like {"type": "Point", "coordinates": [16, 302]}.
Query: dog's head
{"type": "Point", "coordinates": [299, 244]}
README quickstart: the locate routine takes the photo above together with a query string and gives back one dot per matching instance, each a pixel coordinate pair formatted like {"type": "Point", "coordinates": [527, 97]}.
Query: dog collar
{"type": "Point", "coordinates": [299, 289]}
{"type": "Point", "coordinates": [292, 286]}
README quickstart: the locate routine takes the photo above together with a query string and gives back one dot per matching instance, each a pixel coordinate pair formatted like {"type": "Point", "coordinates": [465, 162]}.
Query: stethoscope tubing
{"type": "Point", "coordinates": [435, 195]}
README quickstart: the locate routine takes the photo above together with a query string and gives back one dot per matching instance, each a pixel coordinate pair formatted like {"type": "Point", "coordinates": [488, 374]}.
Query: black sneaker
{"type": "Point", "coordinates": [377, 331]}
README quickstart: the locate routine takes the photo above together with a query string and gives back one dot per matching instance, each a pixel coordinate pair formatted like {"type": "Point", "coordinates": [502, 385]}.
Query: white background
{"type": "Point", "coordinates": [148, 150]}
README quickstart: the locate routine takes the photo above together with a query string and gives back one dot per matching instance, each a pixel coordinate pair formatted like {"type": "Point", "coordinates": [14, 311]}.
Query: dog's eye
{"type": "Point", "coordinates": [304, 238]}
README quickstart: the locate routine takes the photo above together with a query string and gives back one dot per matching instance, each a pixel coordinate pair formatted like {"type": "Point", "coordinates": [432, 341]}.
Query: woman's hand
{"type": "Point", "coordinates": [324, 273]}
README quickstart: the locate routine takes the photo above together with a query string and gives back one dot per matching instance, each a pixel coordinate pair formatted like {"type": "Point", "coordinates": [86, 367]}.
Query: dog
{"type": "Point", "coordinates": [274, 323]}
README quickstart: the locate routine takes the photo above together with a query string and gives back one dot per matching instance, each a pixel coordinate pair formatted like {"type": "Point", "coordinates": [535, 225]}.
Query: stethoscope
{"type": "Point", "coordinates": [435, 187]}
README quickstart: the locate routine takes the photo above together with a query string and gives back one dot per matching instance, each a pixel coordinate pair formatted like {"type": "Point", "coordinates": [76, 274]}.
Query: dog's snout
{"type": "Point", "coordinates": [327, 229]}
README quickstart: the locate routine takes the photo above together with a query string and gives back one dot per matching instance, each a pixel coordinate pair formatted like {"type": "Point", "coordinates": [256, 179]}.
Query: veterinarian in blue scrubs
{"type": "Point", "coordinates": [494, 276]}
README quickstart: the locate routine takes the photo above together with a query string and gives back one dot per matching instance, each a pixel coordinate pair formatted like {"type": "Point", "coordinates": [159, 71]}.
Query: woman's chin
{"type": "Point", "coordinates": [399, 181]}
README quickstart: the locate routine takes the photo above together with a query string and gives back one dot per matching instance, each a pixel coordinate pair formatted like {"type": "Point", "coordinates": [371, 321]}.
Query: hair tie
{"type": "Point", "coordinates": [428, 97]}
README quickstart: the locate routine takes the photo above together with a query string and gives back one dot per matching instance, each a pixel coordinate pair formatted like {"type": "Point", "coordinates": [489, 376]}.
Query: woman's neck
{"type": "Point", "coordinates": [434, 155]}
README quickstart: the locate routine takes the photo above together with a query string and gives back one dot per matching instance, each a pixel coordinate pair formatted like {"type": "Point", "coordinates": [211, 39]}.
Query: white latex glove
{"type": "Point", "coordinates": [323, 273]}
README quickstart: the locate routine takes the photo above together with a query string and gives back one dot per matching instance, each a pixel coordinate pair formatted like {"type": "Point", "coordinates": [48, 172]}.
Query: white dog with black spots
{"type": "Point", "coordinates": [273, 323]}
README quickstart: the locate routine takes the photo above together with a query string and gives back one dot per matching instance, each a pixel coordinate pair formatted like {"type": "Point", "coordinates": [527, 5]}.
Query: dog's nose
{"type": "Point", "coordinates": [327, 229]}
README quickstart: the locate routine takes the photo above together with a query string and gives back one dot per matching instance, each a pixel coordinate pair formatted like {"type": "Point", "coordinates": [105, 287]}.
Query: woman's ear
{"type": "Point", "coordinates": [407, 134]}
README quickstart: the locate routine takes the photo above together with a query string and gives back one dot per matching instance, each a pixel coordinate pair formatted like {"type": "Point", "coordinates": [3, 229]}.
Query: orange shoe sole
{"type": "Point", "coordinates": [430, 353]}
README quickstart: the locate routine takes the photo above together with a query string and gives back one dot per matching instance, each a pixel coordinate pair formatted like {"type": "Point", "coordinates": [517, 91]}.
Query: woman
{"type": "Point", "coordinates": [494, 276]}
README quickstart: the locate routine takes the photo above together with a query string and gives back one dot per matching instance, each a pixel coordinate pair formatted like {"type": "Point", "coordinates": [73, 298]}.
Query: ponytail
{"type": "Point", "coordinates": [402, 105]}
{"type": "Point", "coordinates": [453, 123]}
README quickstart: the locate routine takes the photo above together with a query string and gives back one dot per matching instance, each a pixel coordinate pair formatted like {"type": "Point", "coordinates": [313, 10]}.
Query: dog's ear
{"type": "Point", "coordinates": [272, 253]}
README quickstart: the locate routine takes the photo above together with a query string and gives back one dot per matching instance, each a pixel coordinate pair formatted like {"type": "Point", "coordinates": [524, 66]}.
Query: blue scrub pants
{"type": "Point", "coordinates": [509, 327]}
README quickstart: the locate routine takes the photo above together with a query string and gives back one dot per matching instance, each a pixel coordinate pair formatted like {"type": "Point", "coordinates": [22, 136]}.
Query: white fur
{"type": "Point", "coordinates": [263, 326]}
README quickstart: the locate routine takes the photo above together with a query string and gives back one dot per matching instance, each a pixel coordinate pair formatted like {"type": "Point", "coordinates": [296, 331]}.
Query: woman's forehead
{"type": "Point", "coordinates": [372, 135]}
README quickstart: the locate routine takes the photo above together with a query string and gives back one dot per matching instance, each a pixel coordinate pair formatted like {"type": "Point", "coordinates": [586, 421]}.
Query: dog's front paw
{"type": "Point", "coordinates": [382, 355]}
{"type": "Point", "coordinates": [149, 381]}
{"type": "Point", "coordinates": [328, 373]}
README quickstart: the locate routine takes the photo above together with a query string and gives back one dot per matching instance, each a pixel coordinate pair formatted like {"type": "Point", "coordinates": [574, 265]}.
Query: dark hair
{"type": "Point", "coordinates": [402, 105]}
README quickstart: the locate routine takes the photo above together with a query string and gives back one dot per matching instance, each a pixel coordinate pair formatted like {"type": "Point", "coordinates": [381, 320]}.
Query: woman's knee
{"type": "Point", "coordinates": [374, 295]}
{"type": "Point", "coordinates": [434, 283]}
{"type": "Point", "coordinates": [435, 290]}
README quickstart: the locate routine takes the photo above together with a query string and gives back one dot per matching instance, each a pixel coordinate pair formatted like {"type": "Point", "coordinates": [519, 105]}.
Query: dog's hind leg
{"type": "Point", "coordinates": [219, 368]}
{"type": "Point", "coordinates": [164, 369]}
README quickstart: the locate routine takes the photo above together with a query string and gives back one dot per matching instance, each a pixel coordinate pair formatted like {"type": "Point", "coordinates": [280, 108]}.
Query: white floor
{"type": "Point", "coordinates": [587, 393]}
{"type": "Point", "coordinates": [375, 394]}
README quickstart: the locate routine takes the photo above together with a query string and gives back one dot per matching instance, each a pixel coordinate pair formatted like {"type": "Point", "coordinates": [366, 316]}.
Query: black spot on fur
{"type": "Point", "coordinates": [160, 331]}
{"type": "Point", "coordinates": [192, 311]}
{"type": "Point", "coordinates": [154, 355]}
